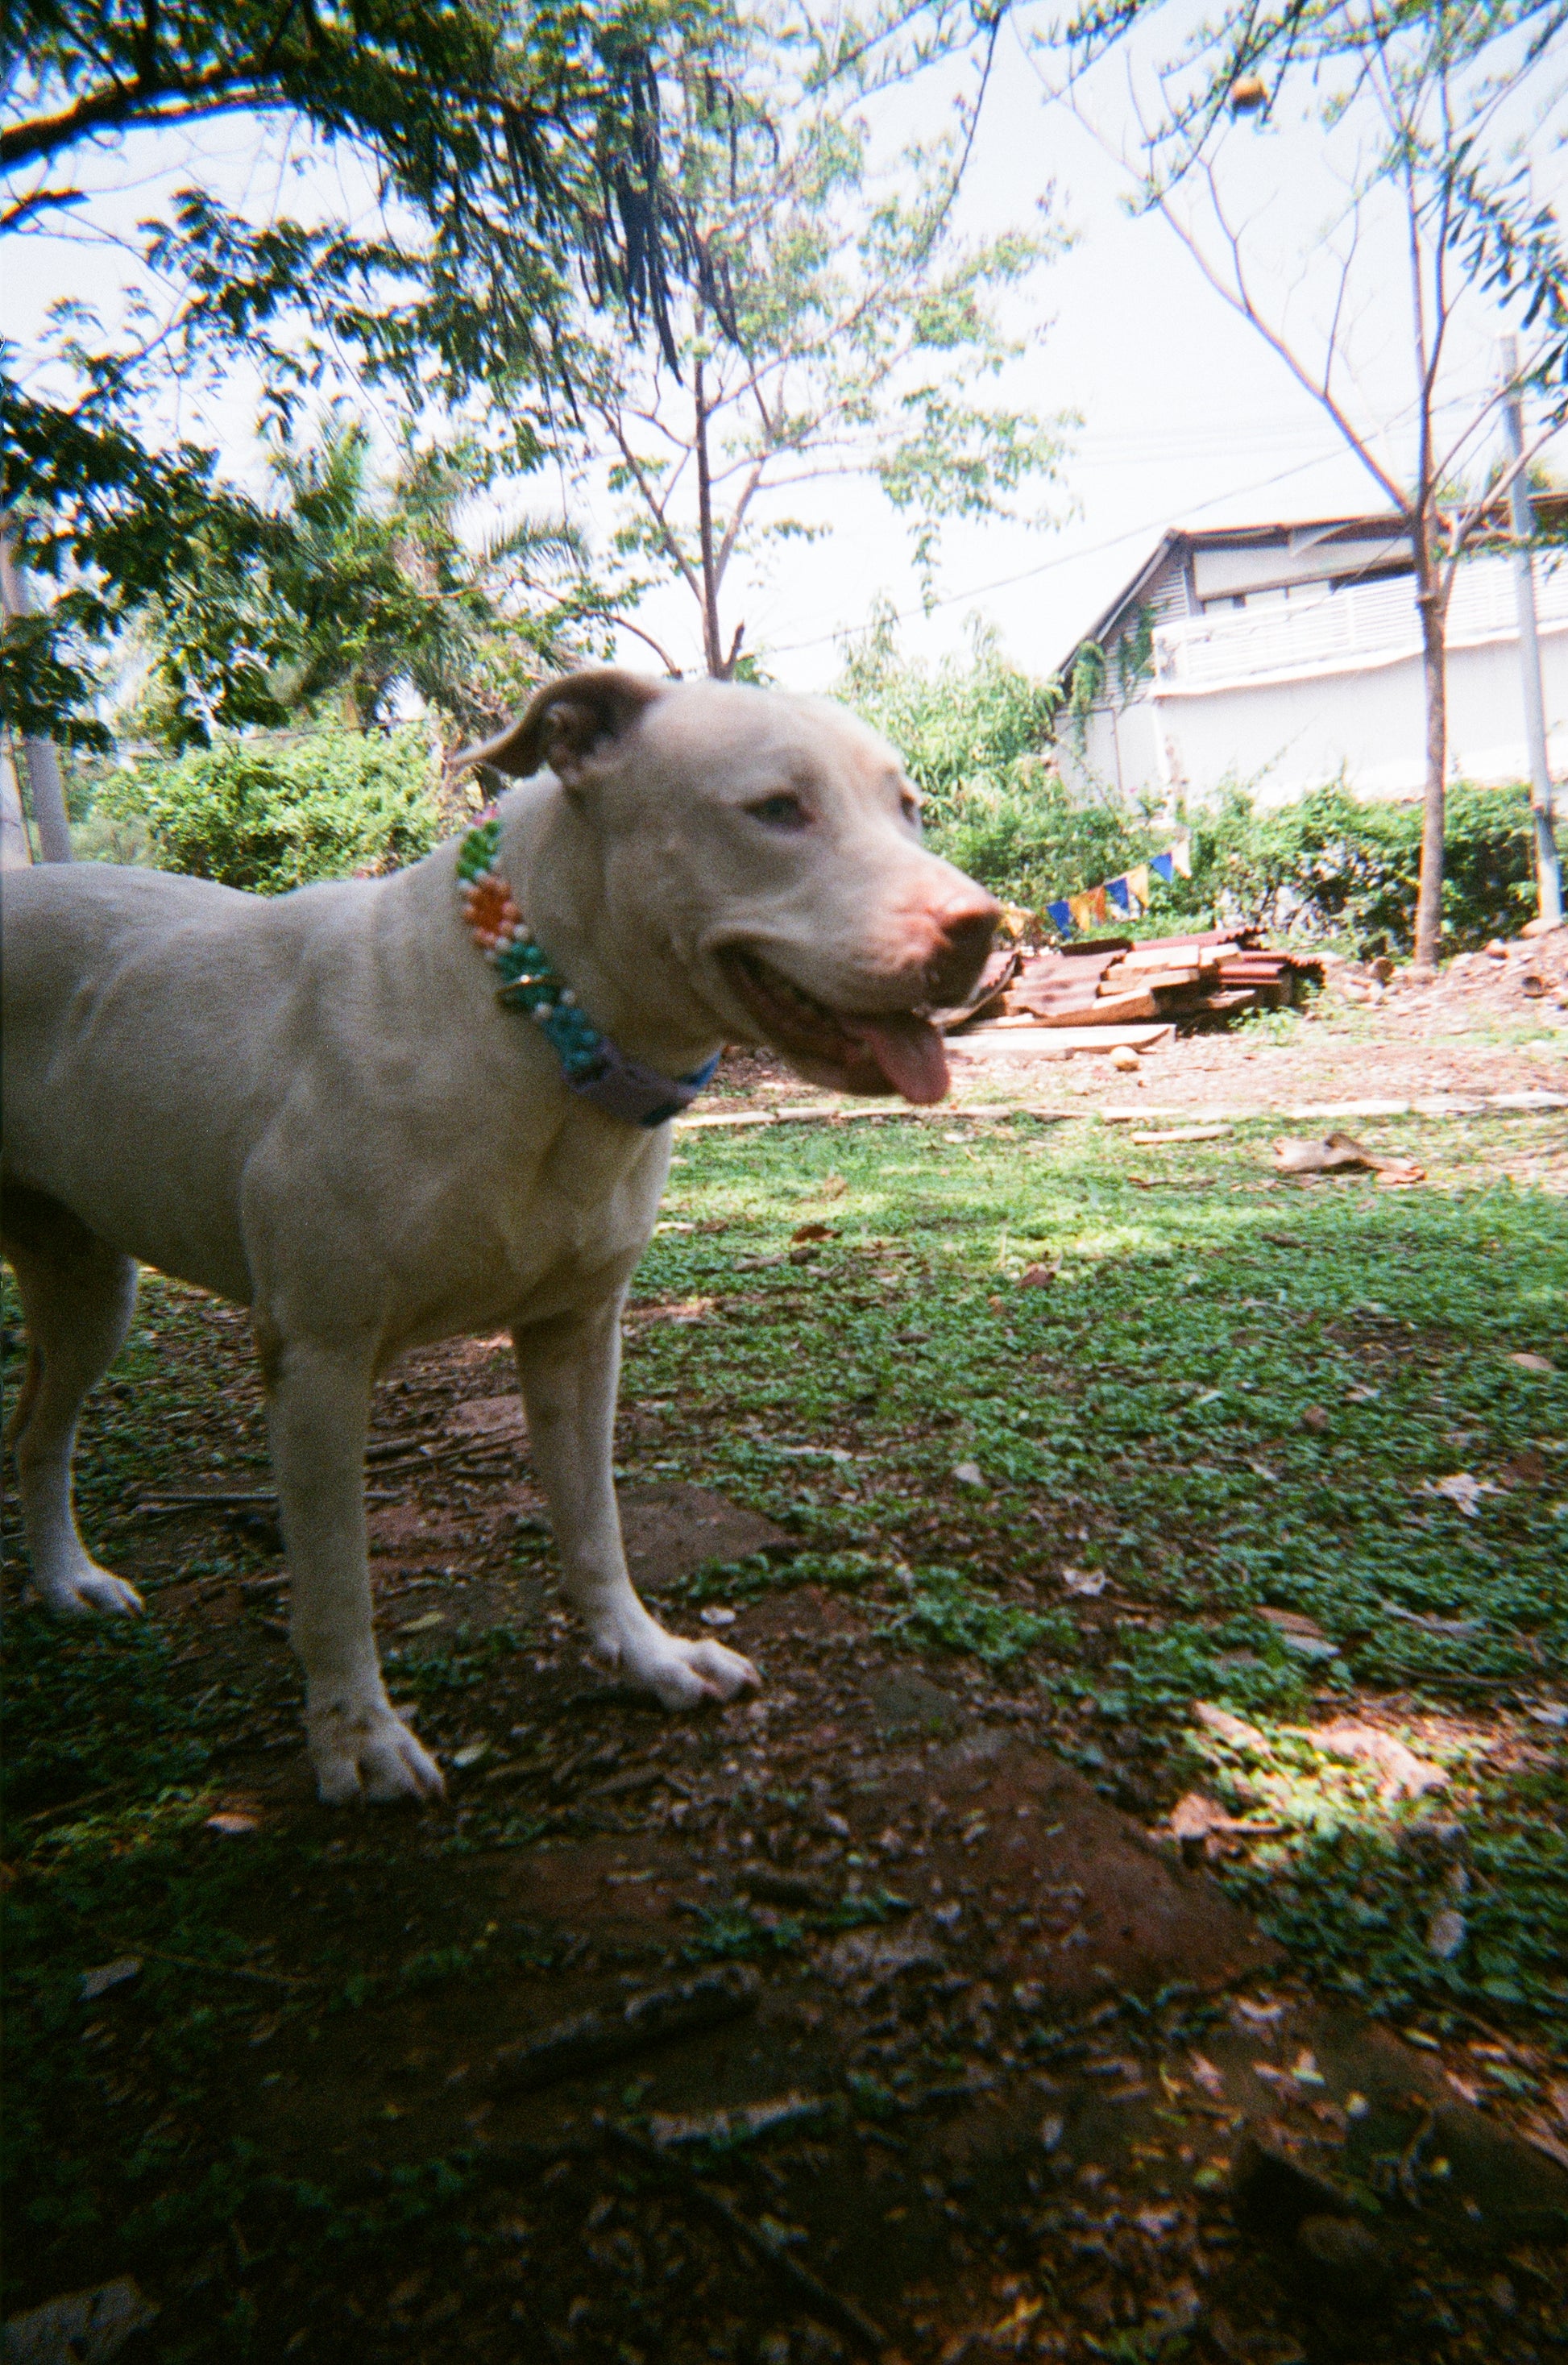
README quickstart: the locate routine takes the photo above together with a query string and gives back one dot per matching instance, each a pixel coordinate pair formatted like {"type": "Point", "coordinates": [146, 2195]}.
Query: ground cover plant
{"type": "Point", "coordinates": [1132, 1461]}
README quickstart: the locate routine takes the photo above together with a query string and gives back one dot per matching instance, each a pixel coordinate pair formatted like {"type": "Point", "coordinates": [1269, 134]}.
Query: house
{"type": "Point", "coordinates": [1281, 656]}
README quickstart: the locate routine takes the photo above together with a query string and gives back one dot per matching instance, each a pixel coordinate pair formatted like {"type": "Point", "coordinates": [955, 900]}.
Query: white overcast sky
{"type": "Point", "coordinates": [1189, 420]}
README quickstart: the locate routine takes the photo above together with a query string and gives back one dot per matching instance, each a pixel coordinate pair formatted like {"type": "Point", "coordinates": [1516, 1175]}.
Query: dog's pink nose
{"type": "Point", "coordinates": [963, 934]}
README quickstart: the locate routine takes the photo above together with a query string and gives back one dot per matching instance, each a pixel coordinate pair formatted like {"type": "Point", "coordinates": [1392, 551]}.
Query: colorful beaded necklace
{"type": "Point", "coordinates": [591, 1064]}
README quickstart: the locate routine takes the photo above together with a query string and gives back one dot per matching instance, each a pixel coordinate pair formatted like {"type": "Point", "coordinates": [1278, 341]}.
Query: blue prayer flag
{"type": "Point", "coordinates": [1060, 916]}
{"type": "Point", "coordinates": [1165, 865]}
{"type": "Point", "coordinates": [1120, 893]}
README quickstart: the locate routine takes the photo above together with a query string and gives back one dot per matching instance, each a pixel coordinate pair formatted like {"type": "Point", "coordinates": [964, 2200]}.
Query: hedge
{"type": "Point", "coordinates": [270, 813]}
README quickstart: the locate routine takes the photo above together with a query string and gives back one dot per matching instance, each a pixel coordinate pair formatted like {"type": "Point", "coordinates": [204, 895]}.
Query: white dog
{"type": "Point", "coordinates": [331, 1108]}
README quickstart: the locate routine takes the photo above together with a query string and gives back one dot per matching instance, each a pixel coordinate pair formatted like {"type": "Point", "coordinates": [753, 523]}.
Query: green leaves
{"type": "Point", "coordinates": [947, 1610]}
{"type": "Point", "coordinates": [269, 814]}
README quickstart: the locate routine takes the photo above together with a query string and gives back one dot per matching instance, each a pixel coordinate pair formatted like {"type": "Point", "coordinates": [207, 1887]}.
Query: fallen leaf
{"type": "Point", "coordinates": [1333, 1153]}
{"type": "Point", "coordinates": [1037, 1276]}
{"type": "Point", "coordinates": [1526, 1469]}
{"type": "Point", "coordinates": [1193, 1816]}
{"type": "Point", "coordinates": [1552, 1712]}
{"type": "Point", "coordinates": [234, 1826]}
{"type": "Point", "coordinates": [1086, 1581]}
{"type": "Point", "coordinates": [1315, 1418]}
{"type": "Point", "coordinates": [109, 1975]}
{"type": "Point", "coordinates": [1402, 1775]}
{"type": "Point", "coordinates": [1206, 2075]}
{"type": "Point", "coordinates": [1463, 1491]}
{"type": "Point", "coordinates": [1532, 1362]}
{"type": "Point", "coordinates": [421, 1625]}
{"type": "Point", "coordinates": [1023, 2313]}
{"type": "Point", "coordinates": [968, 1474]}
{"type": "Point", "coordinates": [1233, 1729]}
{"type": "Point", "coordinates": [1301, 1635]}
{"type": "Point", "coordinates": [1542, 2139]}
{"type": "Point", "coordinates": [1291, 1621]}
{"type": "Point", "coordinates": [811, 1232]}
{"type": "Point", "coordinates": [715, 1616]}
{"type": "Point", "coordinates": [471, 1754]}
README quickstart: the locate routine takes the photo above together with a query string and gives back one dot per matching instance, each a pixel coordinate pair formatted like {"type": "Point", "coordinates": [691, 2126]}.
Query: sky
{"type": "Point", "coordinates": [1188, 419]}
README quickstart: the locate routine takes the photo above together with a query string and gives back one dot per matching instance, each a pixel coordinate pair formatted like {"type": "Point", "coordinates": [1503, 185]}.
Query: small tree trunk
{"type": "Point", "coordinates": [1432, 607]}
{"type": "Point", "coordinates": [712, 646]}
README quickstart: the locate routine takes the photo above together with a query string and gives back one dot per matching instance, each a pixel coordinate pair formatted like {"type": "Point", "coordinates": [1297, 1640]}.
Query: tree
{"type": "Point", "coordinates": [1425, 102]}
{"type": "Point", "coordinates": [841, 328]}
{"type": "Point", "coordinates": [354, 593]}
{"type": "Point", "coordinates": [518, 153]}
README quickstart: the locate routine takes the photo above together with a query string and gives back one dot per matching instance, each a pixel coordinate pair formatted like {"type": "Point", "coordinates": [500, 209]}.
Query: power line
{"type": "Point", "coordinates": [1050, 566]}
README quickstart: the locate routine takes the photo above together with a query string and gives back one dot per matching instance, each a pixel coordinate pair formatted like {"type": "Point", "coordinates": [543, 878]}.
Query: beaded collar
{"type": "Point", "coordinates": [591, 1064]}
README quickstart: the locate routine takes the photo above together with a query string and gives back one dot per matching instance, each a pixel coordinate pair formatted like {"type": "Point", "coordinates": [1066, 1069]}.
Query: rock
{"type": "Point", "coordinates": [1446, 1934]}
{"type": "Point", "coordinates": [1275, 2194]}
{"type": "Point", "coordinates": [1345, 2260]}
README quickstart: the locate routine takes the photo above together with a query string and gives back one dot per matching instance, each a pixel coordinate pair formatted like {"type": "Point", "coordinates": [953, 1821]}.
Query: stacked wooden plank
{"type": "Point", "coordinates": [1201, 980]}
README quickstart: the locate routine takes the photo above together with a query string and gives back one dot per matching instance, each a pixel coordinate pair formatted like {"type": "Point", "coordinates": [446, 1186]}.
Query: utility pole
{"type": "Point", "coordinates": [1548, 875]}
{"type": "Point", "coordinates": [44, 791]}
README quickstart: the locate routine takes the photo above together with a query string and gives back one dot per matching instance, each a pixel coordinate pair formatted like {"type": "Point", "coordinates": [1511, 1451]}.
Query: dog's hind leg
{"type": "Point", "coordinates": [78, 1295]}
{"type": "Point", "coordinates": [317, 1412]}
{"type": "Point", "coordinates": [569, 1368]}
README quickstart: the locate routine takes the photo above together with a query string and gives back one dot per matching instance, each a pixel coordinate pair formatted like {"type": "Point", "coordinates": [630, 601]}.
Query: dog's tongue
{"type": "Point", "coordinates": [910, 1053]}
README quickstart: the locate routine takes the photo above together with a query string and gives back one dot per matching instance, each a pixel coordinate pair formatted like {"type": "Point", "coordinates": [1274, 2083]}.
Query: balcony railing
{"type": "Point", "coordinates": [1333, 633]}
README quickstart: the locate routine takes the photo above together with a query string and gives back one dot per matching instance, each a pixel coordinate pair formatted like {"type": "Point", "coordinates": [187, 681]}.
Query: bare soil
{"type": "Point", "coordinates": [1491, 1023]}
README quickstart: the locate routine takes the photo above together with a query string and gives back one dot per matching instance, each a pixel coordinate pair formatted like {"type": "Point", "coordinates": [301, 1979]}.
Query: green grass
{"type": "Point", "coordinates": [1233, 1398]}
{"type": "Point", "coordinates": [1147, 1416]}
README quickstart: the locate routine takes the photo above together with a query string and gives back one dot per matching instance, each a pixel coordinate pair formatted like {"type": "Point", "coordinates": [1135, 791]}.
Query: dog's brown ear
{"type": "Point", "coordinates": [567, 723]}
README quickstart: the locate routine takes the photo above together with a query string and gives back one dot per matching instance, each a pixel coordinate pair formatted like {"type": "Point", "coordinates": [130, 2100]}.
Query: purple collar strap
{"type": "Point", "coordinates": [640, 1095]}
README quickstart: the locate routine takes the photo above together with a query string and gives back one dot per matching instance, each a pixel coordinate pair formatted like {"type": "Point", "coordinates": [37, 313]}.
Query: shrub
{"type": "Point", "coordinates": [1328, 867]}
{"type": "Point", "coordinates": [270, 813]}
{"type": "Point", "coordinates": [1332, 865]}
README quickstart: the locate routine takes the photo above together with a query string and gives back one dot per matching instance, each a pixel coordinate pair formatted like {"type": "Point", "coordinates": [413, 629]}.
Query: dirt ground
{"type": "Point", "coordinates": [1492, 1022]}
{"type": "Point", "coordinates": [953, 2050]}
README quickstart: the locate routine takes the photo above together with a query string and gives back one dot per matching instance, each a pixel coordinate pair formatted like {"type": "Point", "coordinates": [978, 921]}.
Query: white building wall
{"type": "Point", "coordinates": [1285, 696]}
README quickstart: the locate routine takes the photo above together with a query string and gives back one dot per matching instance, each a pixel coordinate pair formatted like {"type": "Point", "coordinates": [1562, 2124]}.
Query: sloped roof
{"type": "Point", "coordinates": [1385, 525]}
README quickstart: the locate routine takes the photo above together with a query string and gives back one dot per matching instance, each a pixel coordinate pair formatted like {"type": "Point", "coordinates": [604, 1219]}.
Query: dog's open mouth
{"type": "Point", "coordinates": [895, 1051]}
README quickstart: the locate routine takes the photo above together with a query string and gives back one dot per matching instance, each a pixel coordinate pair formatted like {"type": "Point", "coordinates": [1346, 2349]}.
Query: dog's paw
{"type": "Point", "coordinates": [91, 1591]}
{"type": "Point", "coordinates": [366, 1752]}
{"type": "Point", "coordinates": [679, 1674]}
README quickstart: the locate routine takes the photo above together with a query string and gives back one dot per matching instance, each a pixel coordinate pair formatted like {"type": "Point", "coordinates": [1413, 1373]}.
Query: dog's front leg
{"type": "Point", "coordinates": [569, 1369]}
{"type": "Point", "coordinates": [317, 1408]}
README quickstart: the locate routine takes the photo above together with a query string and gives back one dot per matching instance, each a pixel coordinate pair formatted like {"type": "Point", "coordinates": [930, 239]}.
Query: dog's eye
{"type": "Point", "coordinates": [783, 811]}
